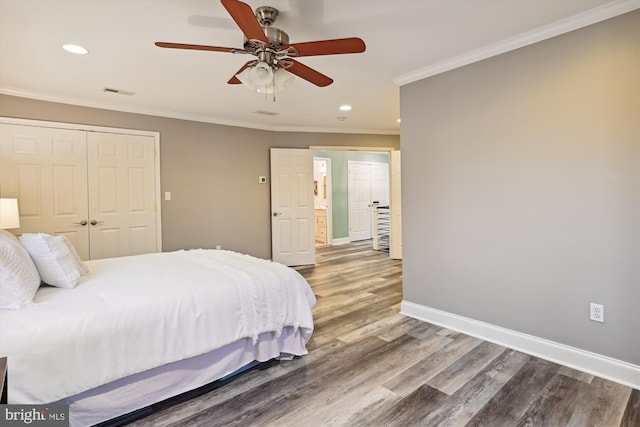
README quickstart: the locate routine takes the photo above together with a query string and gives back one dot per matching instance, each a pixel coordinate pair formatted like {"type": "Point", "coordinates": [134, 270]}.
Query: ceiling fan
{"type": "Point", "coordinates": [271, 47]}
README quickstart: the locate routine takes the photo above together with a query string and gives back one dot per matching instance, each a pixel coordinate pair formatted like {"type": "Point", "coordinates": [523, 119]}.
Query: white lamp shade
{"type": "Point", "coordinates": [261, 74]}
{"type": "Point", "coordinates": [270, 88]}
{"type": "Point", "coordinates": [9, 216]}
{"type": "Point", "coordinates": [282, 78]}
{"type": "Point", "coordinates": [245, 78]}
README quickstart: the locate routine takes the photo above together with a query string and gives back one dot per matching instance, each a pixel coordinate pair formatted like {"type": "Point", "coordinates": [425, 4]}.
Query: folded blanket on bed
{"type": "Point", "coordinates": [135, 313]}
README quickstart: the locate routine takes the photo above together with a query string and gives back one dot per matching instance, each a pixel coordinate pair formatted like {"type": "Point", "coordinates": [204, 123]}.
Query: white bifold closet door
{"type": "Point", "coordinates": [368, 183]}
{"type": "Point", "coordinates": [96, 188]}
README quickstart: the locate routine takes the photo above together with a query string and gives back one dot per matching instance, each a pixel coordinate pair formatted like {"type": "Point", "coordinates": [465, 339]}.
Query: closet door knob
{"type": "Point", "coordinates": [94, 222]}
{"type": "Point", "coordinates": [83, 222]}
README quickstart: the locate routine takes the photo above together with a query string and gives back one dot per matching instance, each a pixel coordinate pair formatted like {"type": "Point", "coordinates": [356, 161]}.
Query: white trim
{"type": "Point", "coordinates": [589, 17]}
{"type": "Point", "coordinates": [340, 241]}
{"type": "Point", "coordinates": [603, 366]}
{"type": "Point", "coordinates": [76, 126]}
{"type": "Point", "coordinates": [350, 148]}
{"type": "Point", "coordinates": [89, 128]}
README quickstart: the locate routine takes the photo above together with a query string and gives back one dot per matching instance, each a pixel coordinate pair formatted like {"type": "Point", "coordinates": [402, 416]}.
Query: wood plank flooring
{"type": "Point", "coordinates": [370, 366]}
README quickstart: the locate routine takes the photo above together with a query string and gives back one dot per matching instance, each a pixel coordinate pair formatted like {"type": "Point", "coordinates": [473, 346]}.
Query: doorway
{"type": "Point", "coordinates": [337, 207]}
{"type": "Point", "coordinates": [322, 200]}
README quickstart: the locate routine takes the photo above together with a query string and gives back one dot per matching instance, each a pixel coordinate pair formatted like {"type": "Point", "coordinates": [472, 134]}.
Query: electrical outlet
{"type": "Point", "coordinates": [596, 312]}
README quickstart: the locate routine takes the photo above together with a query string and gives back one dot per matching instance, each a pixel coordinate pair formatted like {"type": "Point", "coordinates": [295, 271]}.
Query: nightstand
{"type": "Point", "coordinates": [3, 380]}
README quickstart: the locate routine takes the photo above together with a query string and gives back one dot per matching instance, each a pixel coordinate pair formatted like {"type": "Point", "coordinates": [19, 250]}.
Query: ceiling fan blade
{"type": "Point", "coordinates": [327, 47]}
{"type": "Point", "coordinates": [246, 20]}
{"type": "Point", "coordinates": [234, 80]}
{"type": "Point", "coordinates": [309, 74]}
{"type": "Point", "coordinates": [200, 47]}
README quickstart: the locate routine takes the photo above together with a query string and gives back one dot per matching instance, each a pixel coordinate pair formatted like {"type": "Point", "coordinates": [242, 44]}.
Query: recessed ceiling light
{"type": "Point", "coordinates": [399, 120]}
{"type": "Point", "coordinates": [345, 107]}
{"type": "Point", "coordinates": [73, 48]}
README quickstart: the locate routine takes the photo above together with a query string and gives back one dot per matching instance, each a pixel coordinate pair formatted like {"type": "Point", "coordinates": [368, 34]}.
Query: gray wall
{"type": "Point", "coordinates": [211, 170]}
{"type": "Point", "coordinates": [521, 189]}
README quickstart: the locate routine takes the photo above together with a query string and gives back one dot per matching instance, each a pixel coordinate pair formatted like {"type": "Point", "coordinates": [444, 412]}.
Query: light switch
{"type": "Point", "coordinates": [262, 179]}
{"type": "Point", "coordinates": [167, 195]}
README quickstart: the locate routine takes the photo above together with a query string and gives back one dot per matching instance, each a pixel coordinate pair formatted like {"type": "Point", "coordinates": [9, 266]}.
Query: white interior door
{"type": "Point", "coordinates": [57, 171]}
{"type": "Point", "coordinates": [292, 213]}
{"type": "Point", "coordinates": [122, 205]}
{"type": "Point", "coordinates": [46, 170]}
{"type": "Point", "coordinates": [395, 249]}
{"type": "Point", "coordinates": [359, 189]}
{"type": "Point", "coordinates": [380, 183]}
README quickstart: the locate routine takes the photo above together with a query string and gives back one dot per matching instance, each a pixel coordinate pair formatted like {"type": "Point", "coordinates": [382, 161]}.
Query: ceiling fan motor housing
{"type": "Point", "coordinates": [277, 39]}
{"type": "Point", "coordinates": [266, 15]}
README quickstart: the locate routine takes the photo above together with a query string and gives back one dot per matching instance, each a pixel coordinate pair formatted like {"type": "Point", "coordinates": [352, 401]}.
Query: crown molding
{"type": "Point", "coordinates": [186, 116]}
{"type": "Point", "coordinates": [589, 17]}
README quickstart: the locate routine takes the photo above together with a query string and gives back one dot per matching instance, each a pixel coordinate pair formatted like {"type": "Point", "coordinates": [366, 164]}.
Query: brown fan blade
{"type": "Point", "coordinates": [309, 74]}
{"type": "Point", "coordinates": [200, 47]}
{"type": "Point", "coordinates": [326, 47]}
{"type": "Point", "coordinates": [234, 80]}
{"type": "Point", "coordinates": [244, 17]}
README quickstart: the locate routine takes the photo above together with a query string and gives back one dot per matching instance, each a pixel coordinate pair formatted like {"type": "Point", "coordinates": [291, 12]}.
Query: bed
{"type": "Point", "coordinates": [137, 330]}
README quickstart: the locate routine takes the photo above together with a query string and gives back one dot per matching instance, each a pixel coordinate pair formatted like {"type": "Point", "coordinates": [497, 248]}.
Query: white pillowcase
{"type": "Point", "coordinates": [53, 259]}
{"type": "Point", "coordinates": [19, 279]}
{"type": "Point", "coordinates": [82, 267]}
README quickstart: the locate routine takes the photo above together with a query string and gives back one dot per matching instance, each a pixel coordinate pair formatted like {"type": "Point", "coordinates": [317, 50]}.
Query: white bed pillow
{"type": "Point", "coordinates": [53, 259]}
{"type": "Point", "coordinates": [19, 279]}
{"type": "Point", "coordinates": [82, 267]}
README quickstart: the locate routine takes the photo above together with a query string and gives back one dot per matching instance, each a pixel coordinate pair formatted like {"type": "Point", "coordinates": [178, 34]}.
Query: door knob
{"type": "Point", "coordinates": [83, 222]}
{"type": "Point", "coordinates": [277, 213]}
{"type": "Point", "coordinates": [94, 222]}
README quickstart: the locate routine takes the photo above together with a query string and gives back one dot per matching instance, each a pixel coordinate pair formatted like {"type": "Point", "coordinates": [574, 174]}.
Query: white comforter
{"type": "Point", "coordinates": [135, 313]}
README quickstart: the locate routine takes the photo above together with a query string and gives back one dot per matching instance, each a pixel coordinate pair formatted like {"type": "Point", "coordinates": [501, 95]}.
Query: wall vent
{"type": "Point", "coordinates": [118, 91]}
{"type": "Point", "coordinates": [266, 113]}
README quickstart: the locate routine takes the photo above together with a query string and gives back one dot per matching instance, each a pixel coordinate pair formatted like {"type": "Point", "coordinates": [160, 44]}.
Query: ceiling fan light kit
{"type": "Point", "coordinates": [274, 67]}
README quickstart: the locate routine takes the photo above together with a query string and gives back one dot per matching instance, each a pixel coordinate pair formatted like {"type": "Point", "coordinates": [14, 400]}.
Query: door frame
{"type": "Point", "coordinates": [91, 128]}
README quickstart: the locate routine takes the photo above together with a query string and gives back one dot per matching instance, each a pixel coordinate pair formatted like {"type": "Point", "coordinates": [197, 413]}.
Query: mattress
{"type": "Point", "coordinates": [131, 315]}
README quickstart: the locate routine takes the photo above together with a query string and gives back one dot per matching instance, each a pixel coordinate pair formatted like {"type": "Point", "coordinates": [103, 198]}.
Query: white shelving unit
{"type": "Point", "coordinates": [382, 227]}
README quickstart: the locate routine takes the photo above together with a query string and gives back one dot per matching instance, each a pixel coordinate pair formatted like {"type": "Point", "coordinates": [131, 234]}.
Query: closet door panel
{"type": "Point", "coordinates": [122, 194]}
{"type": "Point", "coordinates": [46, 170]}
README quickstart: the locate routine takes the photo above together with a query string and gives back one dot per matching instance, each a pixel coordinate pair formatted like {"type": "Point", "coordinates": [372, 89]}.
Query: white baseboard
{"type": "Point", "coordinates": [596, 364]}
{"type": "Point", "coordinates": [340, 241]}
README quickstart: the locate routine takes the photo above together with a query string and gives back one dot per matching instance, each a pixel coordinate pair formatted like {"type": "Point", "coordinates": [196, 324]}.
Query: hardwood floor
{"type": "Point", "coordinates": [370, 366]}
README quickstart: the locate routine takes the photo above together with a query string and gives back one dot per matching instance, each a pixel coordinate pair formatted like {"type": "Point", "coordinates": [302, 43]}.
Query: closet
{"type": "Point", "coordinates": [368, 187]}
{"type": "Point", "coordinates": [98, 186]}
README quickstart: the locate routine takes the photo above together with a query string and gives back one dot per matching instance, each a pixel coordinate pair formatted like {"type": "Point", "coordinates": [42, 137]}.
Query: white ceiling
{"type": "Point", "coordinates": [406, 40]}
